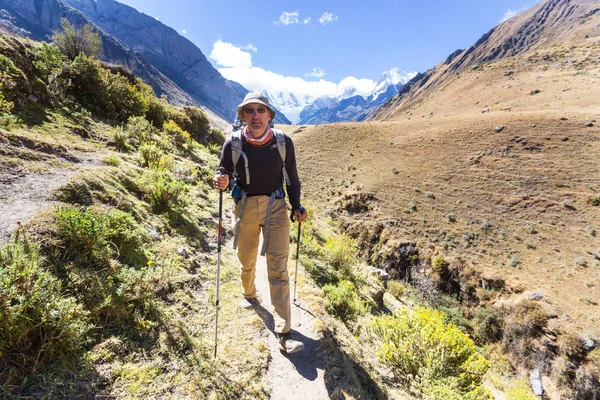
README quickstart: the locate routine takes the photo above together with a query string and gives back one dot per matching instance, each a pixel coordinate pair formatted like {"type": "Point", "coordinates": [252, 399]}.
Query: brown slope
{"type": "Point", "coordinates": [521, 198]}
{"type": "Point", "coordinates": [550, 23]}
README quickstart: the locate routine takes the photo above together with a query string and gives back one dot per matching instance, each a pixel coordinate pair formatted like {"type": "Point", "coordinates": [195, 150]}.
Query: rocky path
{"type": "Point", "coordinates": [295, 376]}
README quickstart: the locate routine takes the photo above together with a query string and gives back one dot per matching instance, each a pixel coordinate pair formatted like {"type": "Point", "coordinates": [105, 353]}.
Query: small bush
{"type": "Point", "coordinates": [487, 325]}
{"type": "Point", "coordinates": [343, 300]}
{"type": "Point", "coordinates": [140, 130]}
{"type": "Point", "coordinates": [152, 156]}
{"type": "Point", "coordinates": [422, 350]}
{"type": "Point", "coordinates": [319, 271]}
{"type": "Point", "coordinates": [48, 59]}
{"type": "Point", "coordinates": [439, 264]}
{"type": "Point", "coordinates": [594, 199]}
{"type": "Point", "coordinates": [520, 390]}
{"type": "Point", "coordinates": [341, 252]}
{"type": "Point", "coordinates": [396, 289]}
{"type": "Point", "coordinates": [179, 136]}
{"type": "Point", "coordinates": [101, 258]}
{"type": "Point", "coordinates": [83, 237]}
{"type": "Point", "coordinates": [526, 320]}
{"type": "Point", "coordinates": [38, 321]}
{"type": "Point", "coordinates": [163, 192]}
{"type": "Point", "coordinates": [121, 139]}
{"type": "Point", "coordinates": [73, 41]}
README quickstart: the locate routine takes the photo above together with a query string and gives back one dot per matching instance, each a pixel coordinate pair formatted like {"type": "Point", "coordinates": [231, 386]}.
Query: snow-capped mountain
{"type": "Point", "coordinates": [288, 103]}
{"type": "Point", "coordinates": [389, 78]}
{"type": "Point", "coordinates": [353, 101]}
{"type": "Point", "coordinates": [353, 104]}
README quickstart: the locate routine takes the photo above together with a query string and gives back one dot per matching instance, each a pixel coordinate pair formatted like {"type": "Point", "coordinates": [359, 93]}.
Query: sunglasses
{"type": "Point", "coordinates": [250, 110]}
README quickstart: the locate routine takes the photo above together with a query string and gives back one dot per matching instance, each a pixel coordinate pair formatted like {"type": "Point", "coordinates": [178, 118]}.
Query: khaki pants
{"type": "Point", "coordinates": [253, 220]}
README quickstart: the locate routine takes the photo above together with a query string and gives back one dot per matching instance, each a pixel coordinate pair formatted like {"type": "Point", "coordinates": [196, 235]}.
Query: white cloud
{"type": "Point", "coordinates": [228, 55]}
{"type": "Point", "coordinates": [511, 13]}
{"type": "Point", "coordinates": [327, 17]}
{"type": "Point", "coordinates": [306, 20]}
{"type": "Point", "coordinates": [250, 47]}
{"type": "Point", "coordinates": [235, 64]}
{"type": "Point", "coordinates": [363, 86]}
{"type": "Point", "coordinates": [288, 18]}
{"type": "Point", "coordinates": [316, 73]}
{"type": "Point", "coordinates": [184, 31]}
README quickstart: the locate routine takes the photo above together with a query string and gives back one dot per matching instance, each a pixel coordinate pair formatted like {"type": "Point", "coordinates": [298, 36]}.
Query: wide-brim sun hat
{"type": "Point", "coordinates": [257, 98]}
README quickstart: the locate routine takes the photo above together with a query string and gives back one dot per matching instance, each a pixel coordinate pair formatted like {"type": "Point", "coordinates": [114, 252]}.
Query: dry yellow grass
{"type": "Point", "coordinates": [519, 196]}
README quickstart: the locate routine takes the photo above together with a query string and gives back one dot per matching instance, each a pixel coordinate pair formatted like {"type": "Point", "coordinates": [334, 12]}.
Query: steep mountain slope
{"type": "Point", "coordinates": [552, 22]}
{"type": "Point", "coordinates": [168, 51]}
{"type": "Point", "coordinates": [171, 64]}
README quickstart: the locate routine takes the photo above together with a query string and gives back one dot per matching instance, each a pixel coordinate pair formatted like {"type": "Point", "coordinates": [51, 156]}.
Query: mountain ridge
{"type": "Point", "coordinates": [540, 26]}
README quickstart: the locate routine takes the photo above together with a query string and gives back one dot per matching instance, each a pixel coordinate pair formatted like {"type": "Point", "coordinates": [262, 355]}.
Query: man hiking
{"type": "Point", "coordinates": [255, 162]}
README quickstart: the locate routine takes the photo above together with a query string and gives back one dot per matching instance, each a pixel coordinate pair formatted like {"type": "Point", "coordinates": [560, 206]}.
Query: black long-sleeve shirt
{"type": "Point", "coordinates": [265, 166]}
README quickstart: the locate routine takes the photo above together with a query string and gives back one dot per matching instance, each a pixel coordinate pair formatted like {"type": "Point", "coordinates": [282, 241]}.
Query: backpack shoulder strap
{"type": "Point", "coordinates": [280, 136]}
{"type": "Point", "coordinates": [236, 152]}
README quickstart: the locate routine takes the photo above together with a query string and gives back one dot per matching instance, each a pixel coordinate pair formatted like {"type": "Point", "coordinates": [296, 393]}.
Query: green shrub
{"type": "Point", "coordinates": [449, 389]}
{"type": "Point", "coordinates": [216, 136]}
{"type": "Point", "coordinates": [157, 112]}
{"type": "Point", "coordinates": [193, 120]}
{"type": "Point", "coordinates": [38, 321]}
{"type": "Point", "coordinates": [594, 199]}
{"type": "Point", "coordinates": [343, 300]}
{"type": "Point", "coordinates": [179, 136]}
{"type": "Point", "coordinates": [48, 60]}
{"type": "Point", "coordinates": [520, 390]}
{"type": "Point", "coordinates": [439, 264]}
{"type": "Point", "coordinates": [109, 94]}
{"type": "Point", "coordinates": [101, 258]}
{"type": "Point", "coordinates": [319, 271]}
{"type": "Point", "coordinates": [488, 325]}
{"type": "Point", "coordinates": [163, 192]}
{"type": "Point", "coordinates": [151, 156]}
{"type": "Point", "coordinates": [73, 41]}
{"type": "Point", "coordinates": [397, 289]}
{"type": "Point", "coordinates": [112, 160]}
{"type": "Point", "coordinates": [140, 131]}
{"type": "Point", "coordinates": [341, 252]}
{"type": "Point", "coordinates": [420, 347]}
{"type": "Point", "coordinates": [121, 139]}
{"type": "Point", "coordinates": [127, 237]}
{"type": "Point", "coordinates": [91, 237]}
{"type": "Point", "coordinates": [83, 236]}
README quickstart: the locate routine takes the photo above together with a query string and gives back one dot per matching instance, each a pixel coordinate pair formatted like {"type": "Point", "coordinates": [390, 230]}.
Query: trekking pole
{"type": "Point", "coordinates": [297, 256]}
{"type": "Point", "coordinates": [218, 265]}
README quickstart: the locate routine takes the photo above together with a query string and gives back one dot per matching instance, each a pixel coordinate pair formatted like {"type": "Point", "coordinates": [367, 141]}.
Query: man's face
{"type": "Point", "coordinates": [257, 117]}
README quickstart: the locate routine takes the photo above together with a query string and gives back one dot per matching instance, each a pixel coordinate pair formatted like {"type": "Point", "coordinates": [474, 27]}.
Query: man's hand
{"type": "Point", "coordinates": [300, 214]}
{"type": "Point", "coordinates": [221, 181]}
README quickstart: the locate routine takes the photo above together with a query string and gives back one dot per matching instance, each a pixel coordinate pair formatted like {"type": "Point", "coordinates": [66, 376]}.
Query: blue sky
{"type": "Point", "coordinates": [315, 45]}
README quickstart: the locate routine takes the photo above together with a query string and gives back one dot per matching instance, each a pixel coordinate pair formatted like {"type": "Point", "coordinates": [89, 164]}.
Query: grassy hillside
{"type": "Point", "coordinates": [105, 281]}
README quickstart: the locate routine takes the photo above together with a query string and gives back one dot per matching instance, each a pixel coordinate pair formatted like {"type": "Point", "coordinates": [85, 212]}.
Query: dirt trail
{"type": "Point", "coordinates": [21, 196]}
{"type": "Point", "coordinates": [294, 376]}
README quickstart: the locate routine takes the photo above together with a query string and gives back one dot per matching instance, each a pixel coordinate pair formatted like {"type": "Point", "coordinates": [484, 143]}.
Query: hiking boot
{"type": "Point", "coordinates": [288, 344]}
{"type": "Point", "coordinates": [248, 303]}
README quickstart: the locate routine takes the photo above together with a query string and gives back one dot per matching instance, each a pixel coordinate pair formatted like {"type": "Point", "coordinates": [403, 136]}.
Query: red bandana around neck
{"type": "Point", "coordinates": [261, 141]}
